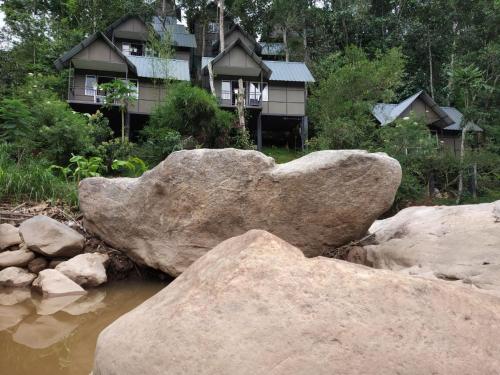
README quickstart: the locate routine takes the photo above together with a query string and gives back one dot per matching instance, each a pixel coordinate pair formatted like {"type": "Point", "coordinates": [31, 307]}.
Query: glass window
{"type": "Point", "coordinates": [135, 86]}
{"type": "Point", "coordinates": [126, 49]}
{"type": "Point", "coordinates": [90, 85]}
{"type": "Point", "coordinates": [226, 90]}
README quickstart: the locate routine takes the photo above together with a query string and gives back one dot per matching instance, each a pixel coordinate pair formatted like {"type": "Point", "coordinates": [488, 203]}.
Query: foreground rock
{"type": "Point", "coordinates": [49, 237]}
{"type": "Point", "coordinates": [52, 283]}
{"type": "Point", "coordinates": [9, 236]}
{"type": "Point", "coordinates": [15, 277]}
{"type": "Point", "coordinates": [16, 258]}
{"type": "Point", "coordinates": [192, 201]}
{"type": "Point", "coordinates": [452, 243]}
{"type": "Point", "coordinates": [86, 269]}
{"type": "Point", "coordinates": [255, 305]}
{"type": "Point", "coordinates": [38, 264]}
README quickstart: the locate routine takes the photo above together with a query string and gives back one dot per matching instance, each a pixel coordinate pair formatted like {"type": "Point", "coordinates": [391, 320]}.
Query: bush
{"type": "Point", "coordinates": [30, 180]}
{"type": "Point", "coordinates": [192, 112]}
{"type": "Point", "coordinates": [158, 143]}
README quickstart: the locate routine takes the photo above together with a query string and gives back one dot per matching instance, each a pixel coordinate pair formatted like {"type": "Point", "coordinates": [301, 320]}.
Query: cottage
{"type": "Point", "coordinates": [121, 52]}
{"type": "Point", "coordinates": [443, 122]}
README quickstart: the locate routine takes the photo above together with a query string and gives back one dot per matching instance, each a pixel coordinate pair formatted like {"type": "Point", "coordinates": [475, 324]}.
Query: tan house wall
{"type": "Point", "coordinates": [150, 94]}
{"type": "Point", "coordinates": [182, 55]}
{"type": "Point", "coordinates": [133, 25]}
{"type": "Point", "coordinates": [421, 109]}
{"type": "Point", "coordinates": [99, 51]}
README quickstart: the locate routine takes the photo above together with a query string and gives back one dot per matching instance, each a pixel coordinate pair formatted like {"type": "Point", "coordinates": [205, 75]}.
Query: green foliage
{"type": "Point", "coordinates": [192, 111]}
{"type": "Point", "coordinates": [31, 180]}
{"type": "Point", "coordinates": [115, 149]}
{"type": "Point", "coordinates": [349, 84]}
{"type": "Point", "coordinates": [409, 141]}
{"type": "Point", "coordinates": [281, 155]}
{"type": "Point", "coordinates": [133, 167]}
{"type": "Point", "coordinates": [159, 142]}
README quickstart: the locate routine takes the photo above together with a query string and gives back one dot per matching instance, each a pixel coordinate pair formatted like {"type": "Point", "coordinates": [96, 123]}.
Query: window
{"type": "Point", "coordinates": [213, 27]}
{"type": "Point", "coordinates": [132, 49]}
{"type": "Point", "coordinates": [257, 93]}
{"type": "Point", "coordinates": [90, 85]}
{"type": "Point", "coordinates": [226, 90]}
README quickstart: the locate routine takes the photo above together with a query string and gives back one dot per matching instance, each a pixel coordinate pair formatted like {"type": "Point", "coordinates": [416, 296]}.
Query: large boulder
{"type": "Point", "coordinates": [15, 277]}
{"type": "Point", "coordinates": [49, 237]}
{"type": "Point", "coordinates": [9, 236]}
{"type": "Point", "coordinates": [86, 269]}
{"type": "Point", "coordinates": [52, 283]}
{"type": "Point", "coordinates": [256, 305]}
{"type": "Point", "coordinates": [458, 243]}
{"type": "Point", "coordinates": [16, 258]}
{"type": "Point", "coordinates": [175, 213]}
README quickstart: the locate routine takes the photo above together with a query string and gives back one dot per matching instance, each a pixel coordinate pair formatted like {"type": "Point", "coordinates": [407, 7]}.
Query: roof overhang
{"type": "Point", "coordinates": [234, 28]}
{"type": "Point", "coordinates": [99, 65]}
{"type": "Point", "coordinates": [63, 61]}
{"type": "Point", "coordinates": [240, 70]}
{"type": "Point", "coordinates": [135, 35]}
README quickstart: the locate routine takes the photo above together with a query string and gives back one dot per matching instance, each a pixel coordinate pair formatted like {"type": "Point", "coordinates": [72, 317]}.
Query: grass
{"type": "Point", "coordinates": [32, 181]}
{"type": "Point", "coordinates": [282, 155]}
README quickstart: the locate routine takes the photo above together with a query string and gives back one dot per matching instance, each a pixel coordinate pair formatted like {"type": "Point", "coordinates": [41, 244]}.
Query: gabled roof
{"type": "Point", "coordinates": [63, 61]}
{"type": "Point", "coordinates": [155, 67]}
{"type": "Point", "coordinates": [289, 71]}
{"type": "Point", "coordinates": [387, 113]}
{"type": "Point", "coordinates": [280, 70]}
{"type": "Point", "coordinates": [457, 117]}
{"type": "Point", "coordinates": [234, 28]}
{"type": "Point", "coordinates": [121, 20]}
{"type": "Point", "coordinates": [179, 34]}
{"type": "Point", "coordinates": [239, 43]}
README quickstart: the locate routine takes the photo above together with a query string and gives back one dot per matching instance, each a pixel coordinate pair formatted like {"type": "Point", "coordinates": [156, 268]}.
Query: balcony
{"type": "Point", "coordinates": [255, 94]}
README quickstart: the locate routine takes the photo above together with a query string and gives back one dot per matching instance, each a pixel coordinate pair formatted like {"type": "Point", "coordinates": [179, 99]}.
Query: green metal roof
{"type": "Point", "coordinates": [155, 67]}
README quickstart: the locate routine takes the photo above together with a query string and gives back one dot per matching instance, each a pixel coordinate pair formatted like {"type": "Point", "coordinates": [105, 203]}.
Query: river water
{"type": "Point", "coordinates": [57, 336]}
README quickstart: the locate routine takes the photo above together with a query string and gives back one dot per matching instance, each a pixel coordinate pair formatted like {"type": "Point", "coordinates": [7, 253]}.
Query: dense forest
{"type": "Point", "coordinates": [361, 52]}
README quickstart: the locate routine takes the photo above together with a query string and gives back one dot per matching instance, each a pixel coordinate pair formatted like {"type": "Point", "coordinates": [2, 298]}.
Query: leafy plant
{"type": "Point", "coordinates": [133, 167]}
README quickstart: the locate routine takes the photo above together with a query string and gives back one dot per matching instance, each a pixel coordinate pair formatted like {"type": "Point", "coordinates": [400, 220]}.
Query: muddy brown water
{"type": "Point", "coordinates": [57, 336]}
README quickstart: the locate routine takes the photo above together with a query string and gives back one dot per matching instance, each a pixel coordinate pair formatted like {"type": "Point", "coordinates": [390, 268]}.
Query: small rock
{"type": "Point", "coordinates": [92, 302]}
{"type": "Point", "coordinates": [16, 277]}
{"type": "Point", "coordinates": [9, 236]}
{"type": "Point", "coordinates": [86, 269]}
{"type": "Point", "coordinates": [49, 306]}
{"type": "Point", "coordinates": [50, 237]}
{"type": "Point", "coordinates": [38, 264]}
{"type": "Point", "coordinates": [44, 332]}
{"type": "Point", "coordinates": [52, 283]}
{"type": "Point", "coordinates": [16, 258]}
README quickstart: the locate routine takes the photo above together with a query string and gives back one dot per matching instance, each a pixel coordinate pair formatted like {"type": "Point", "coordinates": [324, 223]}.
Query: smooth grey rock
{"type": "Point", "coordinates": [38, 264]}
{"type": "Point", "coordinates": [9, 236]}
{"type": "Point", "coordinates": [13, 296]}
{"type": "Point", "coordinates": [256, 305]}
{"type": "Point", "coordinates": [459, 243]}
{"type": "Point", "coordinates": [52, 283]}
{"type": "Point", "coordinates": [51, 238]}
{"type": "Point", "coordinates": [43, 332]}
{"type": "Point", "coordinates": [86, 269]}
{"type": "Point", "coordinates": [195, 199]}
{"type": "Point", "coordinates": [15, 277]}
{"type": "Point", "coordinates": [16, 258]}
{"type": "Point", "coordinates": [10, 316]}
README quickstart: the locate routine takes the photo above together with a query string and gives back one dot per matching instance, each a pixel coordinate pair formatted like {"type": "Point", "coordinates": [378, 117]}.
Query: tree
{"type": "Point", "coordinates": [120, 93]}
{"type": "Point", "coordinates": [348, 85]}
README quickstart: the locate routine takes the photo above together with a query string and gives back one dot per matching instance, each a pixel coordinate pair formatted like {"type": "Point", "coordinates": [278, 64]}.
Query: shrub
{"type": "Point", "coordinates": [192, 111]}
{"type": "Point", "coordinates": [31, 180]}
{"type": "Point", "coordinates": [158, 143]}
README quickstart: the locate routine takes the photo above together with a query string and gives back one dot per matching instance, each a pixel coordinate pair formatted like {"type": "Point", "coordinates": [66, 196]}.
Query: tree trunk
{"type": "Point", "coordinates": [304, 40]}
{"type": "Point", "coordinates": [204, 38]}
{"type": "Point", "coordinates": [452, 65]}
{"type": "Point", "coordinates": [285, 42]}
{"type": "Point", "coordinates": [211, 78]}
{"type": "Point", "coordinates": [461, 173]}
{"type": "Point", "coordinates": [123, 125]}
{"type": "Point", "coordinates": [221, 25]}
{"type": "Point", "coordinates": [431, 80]}
{"type": "Point", "coordinates": [241, 103]}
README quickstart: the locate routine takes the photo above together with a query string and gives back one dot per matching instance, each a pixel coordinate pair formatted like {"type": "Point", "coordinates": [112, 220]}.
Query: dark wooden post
{"type": "Point", "coordinates": [304, 132]}
{"type": "Point", "coordinates": [259, 132]}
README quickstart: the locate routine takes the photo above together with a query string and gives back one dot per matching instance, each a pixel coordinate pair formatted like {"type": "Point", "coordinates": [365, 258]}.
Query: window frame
{"type": "Point", "coordinates": [224, 93]}
{"type": "Point", "coordinates": [90, 91]}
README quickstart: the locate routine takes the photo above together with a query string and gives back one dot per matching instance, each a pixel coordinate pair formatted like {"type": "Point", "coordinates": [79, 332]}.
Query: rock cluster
{"type": "Point", "coordinates": [38, 244]}
{"type": "Point", "coordinates": [175, 213]}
